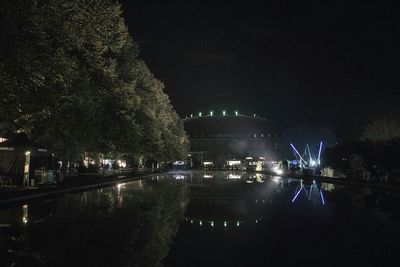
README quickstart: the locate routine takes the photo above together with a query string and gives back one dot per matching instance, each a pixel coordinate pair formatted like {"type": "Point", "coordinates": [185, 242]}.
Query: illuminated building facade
{"type": "Point", "coordinates": [218, 139]}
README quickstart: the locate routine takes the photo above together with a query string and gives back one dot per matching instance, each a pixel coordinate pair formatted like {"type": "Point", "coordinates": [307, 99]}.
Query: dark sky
{"type": "Point", "coordinates": [318, 62]}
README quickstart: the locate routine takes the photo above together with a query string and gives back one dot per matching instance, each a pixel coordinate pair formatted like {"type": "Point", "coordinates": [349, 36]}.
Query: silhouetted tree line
{"type": "Point", "coordinates": [378, 148]}
{"type": "Point", "coordinates": [70, 77]}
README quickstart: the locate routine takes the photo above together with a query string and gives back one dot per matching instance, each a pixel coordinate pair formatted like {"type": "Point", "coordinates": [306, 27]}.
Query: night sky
{"type": "Point", "coordinates": [294, 62]}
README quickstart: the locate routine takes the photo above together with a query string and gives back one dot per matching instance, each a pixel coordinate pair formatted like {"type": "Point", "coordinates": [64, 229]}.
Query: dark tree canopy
{"type": "Point", "coordinates": [381, 131]}
{"type": "Point", "coordinates": [70, 76]}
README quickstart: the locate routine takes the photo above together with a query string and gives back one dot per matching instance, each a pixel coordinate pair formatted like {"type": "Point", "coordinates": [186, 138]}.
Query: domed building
{"type": "Point", "coordinates": [217, 139]}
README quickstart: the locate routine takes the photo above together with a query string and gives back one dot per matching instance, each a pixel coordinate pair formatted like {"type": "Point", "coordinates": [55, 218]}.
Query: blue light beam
{"type": "Point", "coordinates": [297, 152]}
{"type": "Point", "coordinates": [322, 197]}
{"type": "Point", "coordinates": [297, 194]}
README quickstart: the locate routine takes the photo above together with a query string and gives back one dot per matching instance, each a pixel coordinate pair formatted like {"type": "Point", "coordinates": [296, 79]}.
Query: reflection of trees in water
{"type": "Point", "coordinates": [99, 229]}
{"type": "Point", "coordinates": [376, 205]}
{"type": "Point", "coordinates": [328, 187]}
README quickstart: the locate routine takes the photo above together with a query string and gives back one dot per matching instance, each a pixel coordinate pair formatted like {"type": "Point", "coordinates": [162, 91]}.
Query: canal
{"type": "Point", "coordinates": [206, 219]}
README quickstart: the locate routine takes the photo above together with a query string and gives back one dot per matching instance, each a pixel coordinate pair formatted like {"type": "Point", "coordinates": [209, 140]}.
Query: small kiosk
{"type": "Point", "coordinates": [24, 162]}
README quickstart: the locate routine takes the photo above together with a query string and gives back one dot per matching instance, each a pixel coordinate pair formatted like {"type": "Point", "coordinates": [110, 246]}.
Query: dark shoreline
{"type": "Point", "coordinates": [11, 198]}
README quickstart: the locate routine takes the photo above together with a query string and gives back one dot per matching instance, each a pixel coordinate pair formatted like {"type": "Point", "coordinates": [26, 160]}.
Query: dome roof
{"type": "Point", "coordinates": [240, 124]}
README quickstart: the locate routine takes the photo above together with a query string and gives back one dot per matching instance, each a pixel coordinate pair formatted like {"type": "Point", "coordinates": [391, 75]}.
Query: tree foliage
{"type": "Point", "coordinates": [381, 131]}
{"type": "Point", "coordinates": [70, 76]}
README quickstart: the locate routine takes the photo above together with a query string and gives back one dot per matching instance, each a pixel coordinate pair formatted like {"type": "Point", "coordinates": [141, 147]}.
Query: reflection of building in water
{"type": "Point", "coordinates": [218, 223]}
{"type": "Point", "coordinates": [313, 192]}
{"type": "Point", "coordinates": [218, 139]}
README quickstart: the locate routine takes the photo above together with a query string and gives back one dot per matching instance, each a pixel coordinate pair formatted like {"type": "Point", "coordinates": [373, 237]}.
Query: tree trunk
{"type": "Point", "coordinates": [64, 163]}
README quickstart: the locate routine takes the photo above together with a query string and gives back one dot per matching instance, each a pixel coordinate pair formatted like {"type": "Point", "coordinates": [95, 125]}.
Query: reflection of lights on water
{"type": "Point", "coordinates": [121, 185]}
{"type": "Point", "coordinates": [276, 170]}
{"type": "Point", "coordinates": [179, 177]}
{"type": "Point", "coordinates": [234, 176]}
{"type": "Point", "coordinates": [312, 191]}
{"type": "Point", "coordinates": [207, 176]}
{"type": "Point", "coordinates": [322, 197]}
{"type": "Point", "coordinates": [224, 223]}
{"type": "Point", "coordinates": [249, 181]}
{"type": "Point", "coordinates": [297, 194]}
{"type": "Point", "coordinates": [277, 179]}
{"type": "Point", "coordinates": [25, 214]}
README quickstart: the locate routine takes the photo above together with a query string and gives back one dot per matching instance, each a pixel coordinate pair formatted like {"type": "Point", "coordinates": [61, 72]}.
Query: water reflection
{"type": "Point", "coordinates": [126, 225]}
{"type": "Point", "coordinates": [133, 223]}
{"type": "Point", "coordinates": [208, 175]}
{"type": "Point", "coordinates": [313, 192]}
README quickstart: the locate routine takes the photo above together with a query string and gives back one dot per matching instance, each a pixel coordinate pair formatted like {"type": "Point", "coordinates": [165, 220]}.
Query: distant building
{"type": "Point", "coordinates": [218, 139]}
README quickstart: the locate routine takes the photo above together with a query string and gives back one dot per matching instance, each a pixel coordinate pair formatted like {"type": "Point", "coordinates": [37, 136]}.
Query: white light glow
{"type": "Point", "coordinates": [259, 166]}
{"type": "Point", "coordinates": [234, 176]}
{"type": "Point", "coordinates": [277, 180]}
{"type": "Point", "coordinates": [276, 170]}
{"type": "Point", "coordinates": [234, 162]}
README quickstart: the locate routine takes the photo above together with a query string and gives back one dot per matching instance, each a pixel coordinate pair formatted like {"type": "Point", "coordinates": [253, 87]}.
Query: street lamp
{"type": "Point", "coordinates": [223, 113]}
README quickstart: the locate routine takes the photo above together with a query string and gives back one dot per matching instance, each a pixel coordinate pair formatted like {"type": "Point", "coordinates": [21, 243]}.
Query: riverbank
{"type": "Point", "coordinates": [79, 183]}
{"type": "Point", "coordinates": [85, 182]}
{"type": "Point", "coordinates": [391, 186]}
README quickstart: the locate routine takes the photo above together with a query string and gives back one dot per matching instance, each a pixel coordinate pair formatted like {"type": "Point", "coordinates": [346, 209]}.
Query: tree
{"type": "Point", "coordinates": [381, 131]}
{"type": "Point", "coordinates": [70, 76]}
{"type": "Point", "coordinates": [164, 137]}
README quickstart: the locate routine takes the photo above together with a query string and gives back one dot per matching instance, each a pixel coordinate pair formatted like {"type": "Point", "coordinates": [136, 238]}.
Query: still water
{"type": "Point", "coordinates": [206, 219]}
